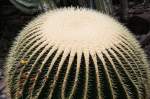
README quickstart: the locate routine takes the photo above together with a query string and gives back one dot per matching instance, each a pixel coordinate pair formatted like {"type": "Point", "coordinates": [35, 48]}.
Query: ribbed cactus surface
{"type": "Point", "coordinates": [76, 54]}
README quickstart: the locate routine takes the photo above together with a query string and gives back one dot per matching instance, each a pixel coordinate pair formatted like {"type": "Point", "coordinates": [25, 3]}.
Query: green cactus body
{"type": "Point", "coordinates": [76, 54]}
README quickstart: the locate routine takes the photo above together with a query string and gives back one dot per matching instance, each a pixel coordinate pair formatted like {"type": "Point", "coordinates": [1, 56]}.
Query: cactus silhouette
{"type": "Point", "coordinates": [76, 53]}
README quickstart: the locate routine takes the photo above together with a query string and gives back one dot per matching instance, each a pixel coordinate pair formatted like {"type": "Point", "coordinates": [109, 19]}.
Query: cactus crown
{"type": "Point", "coordinates": [74, 54]}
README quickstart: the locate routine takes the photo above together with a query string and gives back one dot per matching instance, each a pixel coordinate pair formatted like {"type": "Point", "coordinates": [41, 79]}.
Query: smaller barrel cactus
{"type": "Point", "coordinates": [76, 53]}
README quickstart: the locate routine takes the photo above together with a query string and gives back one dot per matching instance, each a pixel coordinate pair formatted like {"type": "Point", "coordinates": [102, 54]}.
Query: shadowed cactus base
{"type": "Point", "coordinates": [76, 54]}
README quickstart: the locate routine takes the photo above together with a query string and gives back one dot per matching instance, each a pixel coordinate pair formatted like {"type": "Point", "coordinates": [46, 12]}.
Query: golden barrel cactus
{"type": "Point", "coordinates": [76, 53]}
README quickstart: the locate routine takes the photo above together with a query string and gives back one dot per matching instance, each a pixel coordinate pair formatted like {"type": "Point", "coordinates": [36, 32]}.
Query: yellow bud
{"type": "Point", "coordinates": [24, 62]}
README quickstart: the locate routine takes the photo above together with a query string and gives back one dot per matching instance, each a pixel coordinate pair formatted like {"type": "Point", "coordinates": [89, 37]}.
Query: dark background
{"type": "Point", "coordinates": [13, 20]}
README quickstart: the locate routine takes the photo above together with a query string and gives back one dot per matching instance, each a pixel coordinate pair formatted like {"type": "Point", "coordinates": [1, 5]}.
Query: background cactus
{"type": "Point", "coordinates": [74, 54]}
{"type": "Point", "coordinates": [32, 6]}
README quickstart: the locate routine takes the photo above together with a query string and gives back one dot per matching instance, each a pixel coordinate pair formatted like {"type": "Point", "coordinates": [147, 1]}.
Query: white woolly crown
{"type": "Point", "coordinates": [81, 29]}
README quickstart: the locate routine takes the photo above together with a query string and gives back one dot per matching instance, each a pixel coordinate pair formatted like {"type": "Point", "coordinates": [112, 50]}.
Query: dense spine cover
{"type": "Point", "coordinates": [76, 54]}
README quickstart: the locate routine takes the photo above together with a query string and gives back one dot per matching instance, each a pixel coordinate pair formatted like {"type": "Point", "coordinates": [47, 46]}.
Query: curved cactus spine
{"type": "Point", "coordinates": [77, 53]}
